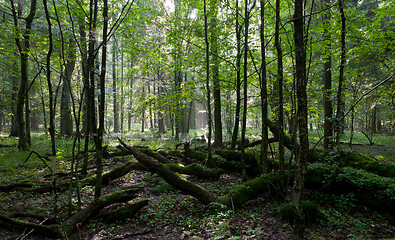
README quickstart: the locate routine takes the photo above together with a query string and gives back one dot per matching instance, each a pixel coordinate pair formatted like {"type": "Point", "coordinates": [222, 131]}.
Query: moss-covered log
{"type": "Point", "coordinates": [196, 170]}
{"type": "Point", "coordinates": [48, 231]}
{"type": "Point", "coordinates": [246, 191]}
{"type": "Point", "coordinates": [369, 189]}
{"type": "Point", "coordinates": [114, 173]}
{"type": "Point", "coordinates": [353, 159]}
{"type": "Point", "coordinates": [71, 224]}
{"type": "Point", "coordinates": [231, 160]}
{"type": "Point", "coordinates": [169, 176]}
{"type": "Point", "coordinates": [125, 212]}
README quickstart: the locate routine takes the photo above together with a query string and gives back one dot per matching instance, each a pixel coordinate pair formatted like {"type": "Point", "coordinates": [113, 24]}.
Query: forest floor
{"type": "Point", "coordinates": [172, 215]}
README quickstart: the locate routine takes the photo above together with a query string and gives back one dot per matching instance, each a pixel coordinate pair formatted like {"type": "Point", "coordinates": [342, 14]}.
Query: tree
{"type": "Point", "coordinates": [209, 161]}
{"type": "Point", "coordinates": [114, 87]}
{"type": "Point", "coordinates": [339, 128]}
{"type": "Point", "coordinates": [238, 79]}
{"type": "Point", "coordinates": [66, 122]}
{"type": "Point", "coordinates": [215, 69]}
{"type": "Point", "coordinates": [327, 79]}
{"type": "Point", "coordinates": [24, 50]}
{"type": "Point", "coordinates": [99, 132]}
{"type": "Point", "coordinates": [301, 81]}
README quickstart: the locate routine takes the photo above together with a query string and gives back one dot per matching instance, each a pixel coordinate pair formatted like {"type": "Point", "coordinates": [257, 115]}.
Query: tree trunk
{"type": "Point", "coordinates": [114, 87]}
{"type": "Point", "coordinates": [24, 50]}
{"type": "Point", "coordinates": [238, 80]}
{"type": "Point", "coordinates": [215, 69]}
{"type": "Point", "coordinates": [280, 91]}
{"type": "Point", "coordinates": [327, 91]}
{"type": "Point", "coordinates": [340, 90]}
{"type": "Point", "coordinates": [66, 121]}
{"type": "Point", "coordinates": [245, 92]}
{"type": "Point", "coordinates": [301, 81]}
{"type": "Point", "coordinates": [209, 162]}
{"type": "Point", "coordinates": [49, 83]}
{"type": "Point", "coordinates": [100, 130]}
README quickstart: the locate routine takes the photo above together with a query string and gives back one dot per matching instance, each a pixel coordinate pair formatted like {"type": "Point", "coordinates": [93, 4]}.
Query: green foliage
{"type": "Point", "coordinates": [286, 212]}
{"type": "Point", "coordinates": [163, 187]}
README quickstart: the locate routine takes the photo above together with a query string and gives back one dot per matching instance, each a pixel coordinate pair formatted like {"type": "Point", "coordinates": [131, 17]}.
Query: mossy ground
{"type": "Point", "coordinates": [171, 215]}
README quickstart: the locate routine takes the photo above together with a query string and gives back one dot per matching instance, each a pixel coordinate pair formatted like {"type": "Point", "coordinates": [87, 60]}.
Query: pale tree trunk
{"type": "Point", "coordinates": [301, 83]}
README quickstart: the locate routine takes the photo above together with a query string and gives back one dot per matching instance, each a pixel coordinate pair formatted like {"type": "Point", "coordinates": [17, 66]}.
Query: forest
{"type": "Point", "coordinates": [197, 119]}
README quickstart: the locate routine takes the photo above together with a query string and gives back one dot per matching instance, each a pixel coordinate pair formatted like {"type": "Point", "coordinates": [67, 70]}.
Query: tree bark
{"type": "Point", "coordinates": [280, 78]}
{"type": "Point", "coordinates": [216, 81]}
{"type": "Point", "coordinates": [100, 130]}
{"type": "Point", "coordinates": [114, 88]}
{"type": "Point", "coordinates": [301, 81]}
{"type": "Point", "coordinates": [49, 82]}
{"type": "Point", "coordinates": [209, 162]}
{"type": "Point", "coordinates": [238, 79]}
{"type": "Point", "coordinates": [263, 85]}
{"type": "Point", "coordinates": [66, 121]}
{"type": "Point", "coordinates": [327, 91]}
{"type": "Point", "coordinates": [340, 90]}
{"type": "Point", "coordinates": [24, 50]}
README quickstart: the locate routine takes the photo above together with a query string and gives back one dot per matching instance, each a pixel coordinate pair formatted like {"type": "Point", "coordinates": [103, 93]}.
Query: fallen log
{"type": "Point", "coordinates": [247, 191]}
{"type": "Point", "coordinates": [73, 223]}
{"type": "Point", "coordinates": [48, 231]}
{"type": "Point", "coordinates": [169, 176]}
{"type": "Point", "coordinates": [125, 212]}
{"type": "Point", "coordinates": [196, 170]}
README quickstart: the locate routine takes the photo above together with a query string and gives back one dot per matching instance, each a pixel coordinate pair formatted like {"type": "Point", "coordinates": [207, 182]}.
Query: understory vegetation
{"type": "Point", "coordinates": [355, 203]}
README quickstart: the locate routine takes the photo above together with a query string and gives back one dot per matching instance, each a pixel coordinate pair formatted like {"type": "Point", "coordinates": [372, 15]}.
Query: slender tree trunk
{"type": "Point", "coordinates": [238, 79]}
{"type": "Point", "coordinates": [209, 162]}
{"type": "Point", "coordinates": [327, 91]}
{"type": "Point", "coordinates": [301, 81]}
{"type": "Point", "coordinates": [143, 114]}
{"type": "Point", "coordinates": [263, 86]}
{"type": "Point", "coordinates": [100, 130]}
{"type": "Point", "coordinates": [280, 91]}
{"type": "Point", "coordinates": [114, 88]}
{"type": "Point", "coordinates": [245, 92]}
{"type": "Point", "coordinates": [340, 90]}
{"type": "Point", "coordinates": [49, 82]}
